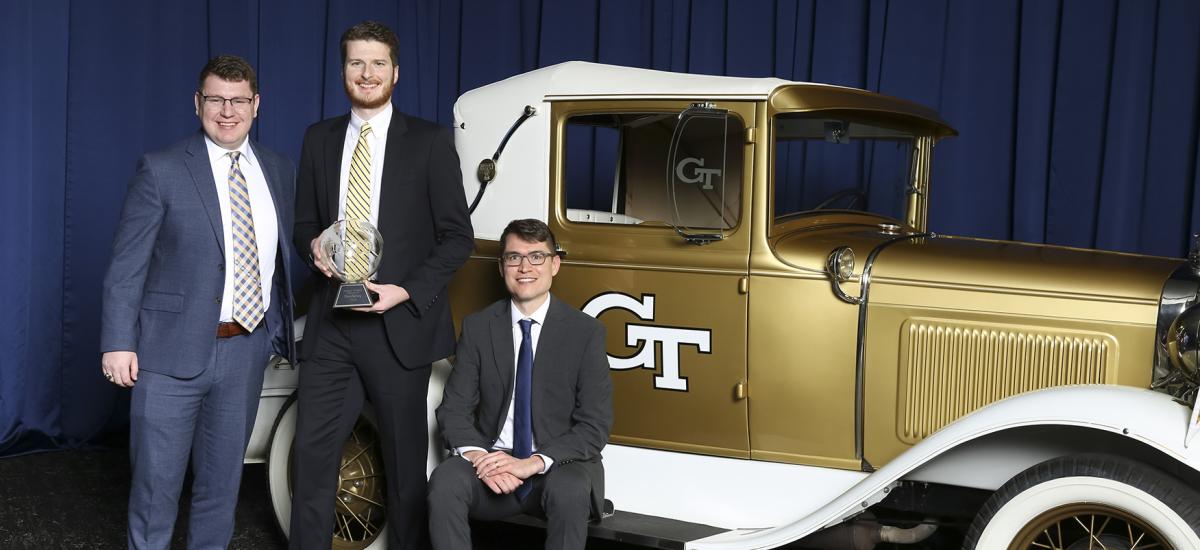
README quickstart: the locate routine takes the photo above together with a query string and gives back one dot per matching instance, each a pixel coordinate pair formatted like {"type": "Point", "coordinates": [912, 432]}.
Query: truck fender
{"type": "Point", "coordinates": [1150, 421]}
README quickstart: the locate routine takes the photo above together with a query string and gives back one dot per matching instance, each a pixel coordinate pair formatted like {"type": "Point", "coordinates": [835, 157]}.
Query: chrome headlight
{"type": "Point", "coordinates": [840, 268]}
{"type": "Point", "coordinates": [840, 264]}
{"type": "Point", "coordinates": [1183, 342]}
{"type": "Point", "coordinates": [1177, 355]}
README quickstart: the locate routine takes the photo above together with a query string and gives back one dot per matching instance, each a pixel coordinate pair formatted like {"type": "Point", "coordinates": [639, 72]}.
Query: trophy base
{"type": "Point", "coordinates": [353, 295]}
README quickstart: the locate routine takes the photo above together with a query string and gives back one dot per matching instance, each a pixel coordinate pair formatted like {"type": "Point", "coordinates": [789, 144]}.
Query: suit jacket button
{"type": "Point", "coordinates": [220, 267]}
{"type": "Point", "coordinates": [218, 300]}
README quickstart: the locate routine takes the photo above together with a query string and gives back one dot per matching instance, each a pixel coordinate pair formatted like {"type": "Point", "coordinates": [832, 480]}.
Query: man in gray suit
{"type": "Point", "coordinates": [196, 300]}
{"type": "Point", "coordinates": [527, 408]}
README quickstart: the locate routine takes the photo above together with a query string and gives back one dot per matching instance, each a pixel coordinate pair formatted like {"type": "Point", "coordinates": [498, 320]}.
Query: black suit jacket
{"type": "Point", "coordinates": [572, 391]}
{"type": "Point", "coordinates": [423, 218]}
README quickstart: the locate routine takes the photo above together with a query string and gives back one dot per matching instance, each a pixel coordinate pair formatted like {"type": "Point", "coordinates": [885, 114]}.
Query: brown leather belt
{"type": "Point", "coordinates": [230, 329]}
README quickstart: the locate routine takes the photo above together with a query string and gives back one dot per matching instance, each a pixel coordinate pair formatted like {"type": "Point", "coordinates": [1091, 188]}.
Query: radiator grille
{"type": "Point", "coordinates": [950, 369]}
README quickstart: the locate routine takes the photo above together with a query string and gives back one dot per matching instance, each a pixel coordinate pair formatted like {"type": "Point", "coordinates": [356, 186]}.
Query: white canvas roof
{"type": "Point", "coordinates": [583, 79]}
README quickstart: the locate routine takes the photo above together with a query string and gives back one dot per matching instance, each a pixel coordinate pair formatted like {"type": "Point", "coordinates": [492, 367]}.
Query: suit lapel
{"type": "Point", "coordinates": [335, 142]}
{"type": "Point", "coordinates": [504, 360]}
{"type": "Point", "coordinates": [271, 174]}
{"type": "Point", "coordinates": [202, 176]}
{"type": "Point", "coordinates": [268, 170]}
{"type": "Point", "coordinates": [393, 165]}
{"type": "Point", "coordinates": [544, 358]}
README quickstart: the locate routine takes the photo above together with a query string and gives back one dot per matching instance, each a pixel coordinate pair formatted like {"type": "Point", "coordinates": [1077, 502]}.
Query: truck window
{"type": "Point", "coordinates": [615, 168]}
{"type": "Point", "coordinates": [830, 163]}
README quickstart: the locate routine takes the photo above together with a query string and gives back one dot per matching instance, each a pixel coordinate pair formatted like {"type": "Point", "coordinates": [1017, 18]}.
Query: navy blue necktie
{"type": "Point", "coordinates": [522, 401]}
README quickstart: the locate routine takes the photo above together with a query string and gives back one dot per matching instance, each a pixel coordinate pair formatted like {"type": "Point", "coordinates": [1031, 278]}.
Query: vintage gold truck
{"type": "Point", "coordinates": [796, 355]}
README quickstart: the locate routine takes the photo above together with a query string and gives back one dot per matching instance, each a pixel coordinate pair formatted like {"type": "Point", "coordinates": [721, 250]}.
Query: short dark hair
{"type": "Point", "coordinates": [530, 231]}
{"type": "Point", "coordinates": [229, 68]}
{"type": "Point", "coordinates": [372, 30]}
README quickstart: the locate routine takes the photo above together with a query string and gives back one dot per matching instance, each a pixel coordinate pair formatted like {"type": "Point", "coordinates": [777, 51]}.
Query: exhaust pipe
{"type": "Point", "coordinates": [865, 535]}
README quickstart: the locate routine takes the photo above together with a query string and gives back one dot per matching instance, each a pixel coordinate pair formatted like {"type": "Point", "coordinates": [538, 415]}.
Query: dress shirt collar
{"type": "Point", "coordinates": [539, 315]}
{"type": "Point", "coordinates": [379, 123]}
{"type": "Point", "coordinates": [215, 152]}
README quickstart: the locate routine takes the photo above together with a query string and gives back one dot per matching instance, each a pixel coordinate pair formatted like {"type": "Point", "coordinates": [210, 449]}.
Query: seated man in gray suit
{"type": "Point", "coordinates": [527, 408]}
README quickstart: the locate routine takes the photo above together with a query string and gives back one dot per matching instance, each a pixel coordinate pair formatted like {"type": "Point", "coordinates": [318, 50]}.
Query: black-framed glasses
{"type": "Point", "coordinates": [512, 259]}
{"type": "Point", "coordinates": [216, 102]}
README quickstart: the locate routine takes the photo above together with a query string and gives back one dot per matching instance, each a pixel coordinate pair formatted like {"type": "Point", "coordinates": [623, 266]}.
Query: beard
{"type": "Point", "coordinates": [356, 100]}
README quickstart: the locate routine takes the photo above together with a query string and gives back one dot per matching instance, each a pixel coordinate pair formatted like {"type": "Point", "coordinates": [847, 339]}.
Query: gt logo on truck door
{"type": "Point", "coordinates": [649, 335]}
{"type": "Point", "coordinates": [700, 173]}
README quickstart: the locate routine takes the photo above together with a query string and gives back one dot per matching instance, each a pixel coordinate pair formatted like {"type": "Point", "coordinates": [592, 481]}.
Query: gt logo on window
{"type": "Point", "coordinates": [700, 173]}
{"type": "Point", "coordinates": [647, 336]}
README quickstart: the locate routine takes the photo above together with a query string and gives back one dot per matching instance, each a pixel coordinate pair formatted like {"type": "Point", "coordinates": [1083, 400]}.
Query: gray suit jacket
{"type": "Point", "coordinates": [164, 283]}
{"type": "Point", "coordinates": [572, 392]}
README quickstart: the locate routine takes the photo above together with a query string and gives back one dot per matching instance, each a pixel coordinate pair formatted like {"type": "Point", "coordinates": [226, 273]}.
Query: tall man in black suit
{"type": "Point", "coordinates": [402, 174]}
{"type": "Point", "coordinates": [527, 408]}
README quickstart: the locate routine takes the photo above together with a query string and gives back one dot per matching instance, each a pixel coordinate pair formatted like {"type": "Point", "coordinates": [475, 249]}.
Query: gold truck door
{"type": "Point", "coordinates": [636, 189]}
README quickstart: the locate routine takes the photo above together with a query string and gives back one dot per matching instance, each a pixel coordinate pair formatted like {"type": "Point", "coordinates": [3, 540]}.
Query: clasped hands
{"type": "Point", "coordinates": [389, 296]}
{"type": "Point", "coordinates": [502, 472]}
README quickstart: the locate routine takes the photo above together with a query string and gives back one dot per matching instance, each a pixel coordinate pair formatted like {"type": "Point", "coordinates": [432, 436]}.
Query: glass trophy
{"type": "Point", "coordinates": [352, 249]}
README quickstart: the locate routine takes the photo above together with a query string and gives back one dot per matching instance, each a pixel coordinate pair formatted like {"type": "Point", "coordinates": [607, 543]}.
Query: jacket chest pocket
{"type": "Point", "coordinates": [163, 301]}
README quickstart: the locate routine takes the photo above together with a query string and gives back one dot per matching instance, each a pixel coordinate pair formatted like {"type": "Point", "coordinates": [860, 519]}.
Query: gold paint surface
{"type": "Point", "coordinates": [801, 370]}
{"type": "Point", "coordinates": [694, 288]}
{"type": "Point", "coordinates": [966, 374]}
{"type": "Point", "coordinates": [950, 368]}
{"type": "Point", "coordinates": [865, 105]}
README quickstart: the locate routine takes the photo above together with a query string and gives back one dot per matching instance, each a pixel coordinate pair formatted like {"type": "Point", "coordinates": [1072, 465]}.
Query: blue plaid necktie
{"type": "Point", "coordinates": [247, 284]}
{"type": "Point", "coordinates": [522, 397]}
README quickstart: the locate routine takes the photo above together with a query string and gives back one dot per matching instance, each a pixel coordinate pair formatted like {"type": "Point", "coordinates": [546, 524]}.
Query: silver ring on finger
{"type": "Point", "coordinates": [108, 376]}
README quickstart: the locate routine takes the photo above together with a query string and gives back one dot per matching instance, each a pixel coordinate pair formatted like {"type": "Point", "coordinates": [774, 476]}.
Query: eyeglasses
{"type": "Point", "coordinates": [512, 259]}
{"type": "Point", "coordinates": [216, 102]}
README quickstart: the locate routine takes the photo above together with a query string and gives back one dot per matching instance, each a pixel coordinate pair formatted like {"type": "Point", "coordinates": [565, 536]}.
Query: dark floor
{"type": "Point", "coordinates": [76, 500]}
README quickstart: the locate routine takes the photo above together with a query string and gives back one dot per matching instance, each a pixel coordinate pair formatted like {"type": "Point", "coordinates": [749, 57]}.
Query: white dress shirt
{"type": "Point", "coordinates": [262, 208]}
{"type": "Point", "coordinates": [378, 143]}
{"type": "Point", "coordinates": [505, 440]}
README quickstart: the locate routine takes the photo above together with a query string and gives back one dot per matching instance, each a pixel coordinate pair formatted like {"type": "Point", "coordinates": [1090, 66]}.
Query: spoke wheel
{"type": "Point", "coordinates": [360, 504]}
{"type": "Point", "coordinates": [1089, 502]}
{"type": "Point", "coordinates": [1088, 527]}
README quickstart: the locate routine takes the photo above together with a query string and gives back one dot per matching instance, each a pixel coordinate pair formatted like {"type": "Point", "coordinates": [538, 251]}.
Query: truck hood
{"type": "Point", "coordinates": [1003, 266]}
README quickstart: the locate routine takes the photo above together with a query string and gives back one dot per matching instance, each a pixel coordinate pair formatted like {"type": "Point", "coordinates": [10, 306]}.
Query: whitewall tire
{"type": "Point", "coordinates": [1066, 502]}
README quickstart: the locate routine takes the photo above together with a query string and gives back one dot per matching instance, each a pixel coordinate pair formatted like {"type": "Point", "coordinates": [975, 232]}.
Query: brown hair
{"type": "Point", "coordinates": [372, 30]}
{"type": "Point", "coordinates": [530, 231]}
{"type": "Point", "coordinates": [229, 68]}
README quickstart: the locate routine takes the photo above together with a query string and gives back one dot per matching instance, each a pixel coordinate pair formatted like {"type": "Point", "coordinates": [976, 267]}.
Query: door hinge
{"type": "Point", "coordinates": [744, 285]}
{"type": "Point", "coordinates": [739, 390]}
{"type": "Point", "coordinates": [751, 135]}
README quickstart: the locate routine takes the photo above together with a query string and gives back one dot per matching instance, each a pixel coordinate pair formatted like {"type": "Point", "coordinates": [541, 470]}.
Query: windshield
{"type": "Point", "coordinates": [824, 162]}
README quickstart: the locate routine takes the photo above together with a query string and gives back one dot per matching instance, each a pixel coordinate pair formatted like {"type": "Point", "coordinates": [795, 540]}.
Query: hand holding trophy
{"type": "Point", "coordinates": [353, 249]}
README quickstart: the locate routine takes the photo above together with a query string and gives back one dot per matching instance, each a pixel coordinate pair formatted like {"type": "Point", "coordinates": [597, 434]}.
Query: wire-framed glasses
{"type": "Point", "coordinates": [512, 259]}
{"type": "Point", "coordinates": [216, 102]}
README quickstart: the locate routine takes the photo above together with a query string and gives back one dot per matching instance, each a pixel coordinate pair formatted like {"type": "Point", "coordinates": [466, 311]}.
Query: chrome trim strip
{"type": "Point", "coordinates": [860, 353]}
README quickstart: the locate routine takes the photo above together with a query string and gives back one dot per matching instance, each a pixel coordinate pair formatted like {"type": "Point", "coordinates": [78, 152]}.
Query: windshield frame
{"type": "Point", "coordinates": [922, 124]}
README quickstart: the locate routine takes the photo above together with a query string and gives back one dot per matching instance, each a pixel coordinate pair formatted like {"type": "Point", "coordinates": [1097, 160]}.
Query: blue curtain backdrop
{"type": "Point", "coordinates": [1078, 121]}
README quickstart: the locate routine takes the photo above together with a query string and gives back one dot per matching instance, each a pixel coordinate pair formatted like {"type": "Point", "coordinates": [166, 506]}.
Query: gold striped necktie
{"type": "Point", "coordinates": [358, 208]}
{"type": "Point", "coordinates": [247, 284]}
